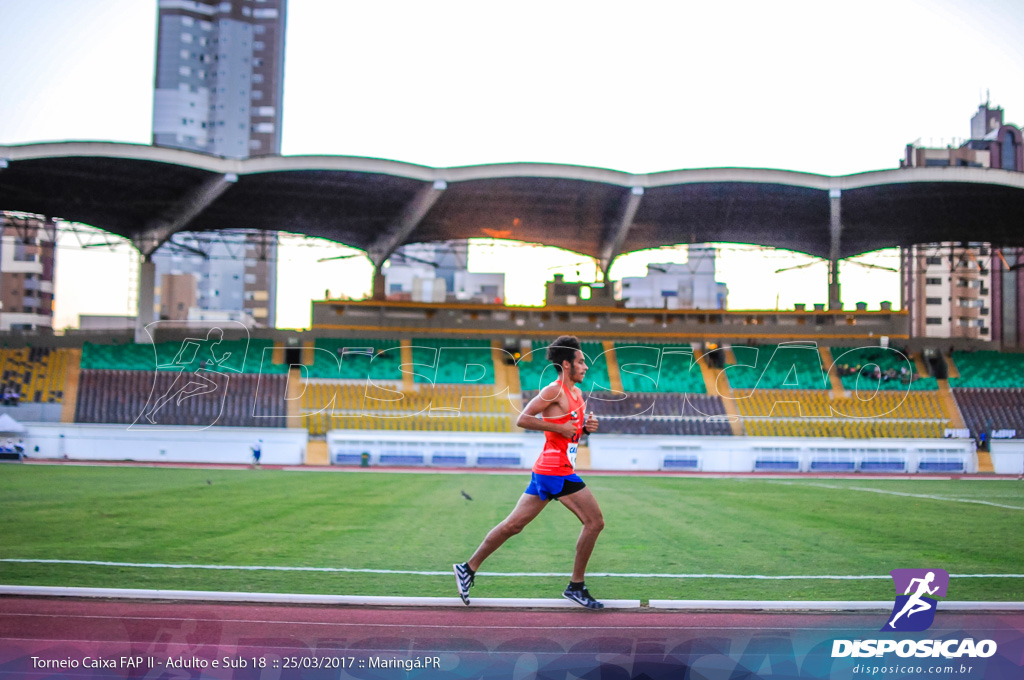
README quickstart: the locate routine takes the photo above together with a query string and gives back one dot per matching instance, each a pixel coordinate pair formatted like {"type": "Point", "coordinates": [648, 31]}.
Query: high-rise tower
{"type": "Point", "coordinates": [220, 76]}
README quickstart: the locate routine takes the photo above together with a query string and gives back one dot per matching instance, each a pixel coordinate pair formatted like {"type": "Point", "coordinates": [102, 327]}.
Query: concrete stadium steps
{"type": "Point", "coordinates": [827, 361]}
{"type": "Point", "coordinates": [949, 405]}
{"type": "Point", "coordinates": [72, 373]}
{"type": "Point", "coordinates": [614, 377]}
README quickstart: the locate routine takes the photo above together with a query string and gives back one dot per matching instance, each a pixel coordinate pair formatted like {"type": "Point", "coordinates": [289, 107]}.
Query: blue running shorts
{"type": "Point", "coordinates": [554, 486]}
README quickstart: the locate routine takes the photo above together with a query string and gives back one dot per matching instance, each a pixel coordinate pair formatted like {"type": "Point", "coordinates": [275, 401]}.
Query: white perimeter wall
{"type": "Point", "coordinates": [630, 452]}
{"type": "Point", "coordinates": [165, 444]}
{"type": "Point", "coordinates": [1007, 456]}
{"type": "Point", "coordinates": [738, 454]}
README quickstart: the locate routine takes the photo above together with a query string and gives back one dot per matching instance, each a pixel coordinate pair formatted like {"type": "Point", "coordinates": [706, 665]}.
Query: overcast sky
{"type": "Point", "coordinates": [824, 87]}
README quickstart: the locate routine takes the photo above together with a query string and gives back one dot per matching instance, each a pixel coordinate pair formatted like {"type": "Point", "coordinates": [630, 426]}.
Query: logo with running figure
{"type": "Point", "coordinates": [914, 609]}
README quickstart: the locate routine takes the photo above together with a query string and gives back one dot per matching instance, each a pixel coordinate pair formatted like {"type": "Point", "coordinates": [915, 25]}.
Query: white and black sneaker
{"type": "Point", "coordinates": [463, 580]}
{"type": "Point", "coordinates": [582, 597]}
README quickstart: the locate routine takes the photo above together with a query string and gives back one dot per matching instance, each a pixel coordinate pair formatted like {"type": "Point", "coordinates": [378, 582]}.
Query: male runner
{"type": "Point", "coordinates": [558, 412]}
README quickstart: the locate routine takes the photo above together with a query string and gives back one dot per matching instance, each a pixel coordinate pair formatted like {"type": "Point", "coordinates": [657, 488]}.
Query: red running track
{"type": "Point", "coordinates": [173, 640]}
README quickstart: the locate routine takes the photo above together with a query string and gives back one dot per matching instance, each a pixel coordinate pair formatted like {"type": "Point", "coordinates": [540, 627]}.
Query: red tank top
{"type": "Point", "coordinates": [559, 455]}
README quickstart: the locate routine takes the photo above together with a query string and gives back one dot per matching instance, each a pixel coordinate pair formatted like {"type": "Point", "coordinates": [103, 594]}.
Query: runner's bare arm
{"type": "Point", "coordinates": [531, 418]}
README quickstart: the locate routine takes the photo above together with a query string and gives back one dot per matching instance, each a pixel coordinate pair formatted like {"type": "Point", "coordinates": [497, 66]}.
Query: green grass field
{"type": "Point", "coordinates": [421, 522]}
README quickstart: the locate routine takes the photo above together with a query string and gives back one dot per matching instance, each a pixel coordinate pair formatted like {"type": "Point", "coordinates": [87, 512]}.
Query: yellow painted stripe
{"type": "Point", "coordinates": [71, 376]}
{"type": "Point", "coordinates": [614, 377]}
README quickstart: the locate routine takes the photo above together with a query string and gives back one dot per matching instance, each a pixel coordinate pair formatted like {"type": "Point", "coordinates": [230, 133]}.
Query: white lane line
{"type": "Point", "coordinates": [350, 570]}
{"type": "Point", "coordinates": [899, 493]}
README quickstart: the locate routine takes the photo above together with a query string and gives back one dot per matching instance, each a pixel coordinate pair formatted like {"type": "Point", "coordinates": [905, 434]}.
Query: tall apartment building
{"type": "Point", "coordinates": [220, 76]}
{"type": "Point", "coordinates": [948, 290]}
{"type": "Point", "coordinates": [28, 245]}
{"type": "Point", "coordinates": [238, 275]}
{"type": "Point", "coordinates": [968, 290]}
{"type": "Point", "coordinates": [219, 90]}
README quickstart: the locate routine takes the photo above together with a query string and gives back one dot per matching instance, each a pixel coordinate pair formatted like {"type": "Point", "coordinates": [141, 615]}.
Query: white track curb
{"type": "Point", "coordinates": [287, 598]}
{"type": "Point", "coordinates": [820, 605]}
{"type": "Point", "coordinates": [368, 600]}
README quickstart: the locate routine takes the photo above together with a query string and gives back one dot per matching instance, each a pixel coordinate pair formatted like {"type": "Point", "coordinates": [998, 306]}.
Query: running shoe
{"type": "Point", "coordinates": [463, 580]}
{"type": "Point", "coordinates": [582, 597]}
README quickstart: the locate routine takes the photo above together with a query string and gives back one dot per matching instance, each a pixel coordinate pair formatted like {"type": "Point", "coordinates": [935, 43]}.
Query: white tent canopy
{"type": "Point", "coordinates": [9, 425]}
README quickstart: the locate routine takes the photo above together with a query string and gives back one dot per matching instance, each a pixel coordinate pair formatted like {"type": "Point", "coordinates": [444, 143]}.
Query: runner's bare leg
{"type": "Point", "coordinates": [585, 507]}
{"type": "Point", "coordinates": [525, 511]}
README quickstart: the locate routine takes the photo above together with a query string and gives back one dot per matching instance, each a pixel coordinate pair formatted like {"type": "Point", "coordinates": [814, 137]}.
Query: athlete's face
{"type": "Point", "coordinates": [578, 369]}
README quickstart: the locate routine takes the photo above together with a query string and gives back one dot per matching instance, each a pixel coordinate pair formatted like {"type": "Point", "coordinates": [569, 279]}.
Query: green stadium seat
{"type": "Point", "coordinates": [999, 370]}
{"type": "Point", "coordinates": [652, 367]}
{"type": "Point", "coordinates": [790, 366]}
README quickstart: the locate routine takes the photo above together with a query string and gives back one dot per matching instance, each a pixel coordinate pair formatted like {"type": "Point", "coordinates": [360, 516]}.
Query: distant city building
{"type": "Point", "coordinates": [220, 76]}
{"type": "Point", "coordinates": [678, 286]}
{"type": "Point", "coordinates": [950, 290]}
{"type": "Point", "coordinates": [968, 290]}
{"type": "Point", "coordinates": [437, 272]}
{"type": "Point", "coordinates": [993, 144]}
{"type": "Point", "coordinates": [212, 318]}
{"type": "Point", "coordinates": [561, 293]}
{"type": "Point", "coordinates": [105, 322]}
{"type": "Point", "coordinates": [28, 245]}
{"type": "Point", "coordinates": [239, 274]}
{"type": "Point", "coordinates": [219, 90]}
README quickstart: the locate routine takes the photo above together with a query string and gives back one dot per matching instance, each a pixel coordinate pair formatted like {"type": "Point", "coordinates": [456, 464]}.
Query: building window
{"type": "Point", "coordinates": [257, 95]}
{"type": "Point", "coordinates": [933, 301]}
{"type": "Point", "coordinates": [265, 14]}
{"type": "Point", "coordinates": [936, 162]}
{"type": "Point", "coordinates": [933, 282]}
{"type": "Point", "coordinates": [933, 260]}
{"type": "Point", "coordinates": [187, 21]}
{"type": "Point", "coordinates": [186, 37]}
{"type": "Point", "coordinates": [259, 29]}
{"type": "Point", "coordinates": [257, 77]}
{"type": "Point", "coordinates": [933, 321]}
{"type": "Point", "coordinates": [1008, 153]}
{"type": "Point", "coordinates": [258, 45]}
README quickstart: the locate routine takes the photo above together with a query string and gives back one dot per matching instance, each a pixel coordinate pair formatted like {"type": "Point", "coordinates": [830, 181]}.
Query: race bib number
{"type": "Point", "coordinates": [571, 452]}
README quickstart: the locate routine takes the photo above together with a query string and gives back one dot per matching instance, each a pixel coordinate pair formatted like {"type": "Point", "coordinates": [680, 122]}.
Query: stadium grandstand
{"type": "Point", "coordinates": [798, 380]}
{"type": "Point", "coordinates": [421, 389]}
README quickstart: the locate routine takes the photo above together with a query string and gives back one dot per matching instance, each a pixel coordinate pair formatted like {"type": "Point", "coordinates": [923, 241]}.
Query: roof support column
{"type": "Point", "coordinates": [378, 292]}
{"type": "Point", "coordinates": [615, 233]}
{"type": "Point", "coordinates": [145, 314]}
{"type": "Point", "coordinates": [406, 222]}
{"type": "Point", "coordinates": [835, 301]}
{"type": "Point", "coordinates": [199, 198]}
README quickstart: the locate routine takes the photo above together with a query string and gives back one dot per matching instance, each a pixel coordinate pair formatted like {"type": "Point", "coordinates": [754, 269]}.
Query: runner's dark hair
{"type": "Point", "coordinates": [563, 349]}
